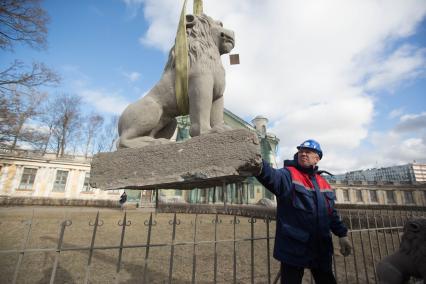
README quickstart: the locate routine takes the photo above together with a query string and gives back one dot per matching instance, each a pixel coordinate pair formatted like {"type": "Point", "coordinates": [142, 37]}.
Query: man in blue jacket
{"type": "Point", "coordinates": [305, 216]}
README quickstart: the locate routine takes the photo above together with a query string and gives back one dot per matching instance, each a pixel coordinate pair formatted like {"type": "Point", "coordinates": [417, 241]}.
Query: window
{"type": "Point", "coordinates": [359, 196]}
{"type": "Point", "coordinates": [60, 181]}
{"type": "Point", "coordinates": [27, 180]}
{"type": "Point", "coordinates": [408, 196]}
{"type": "Point", "coordinates": [86, 185]}
{"type": "Point", "coordinates": [390, 196]}
{"type": "Point", "coordinates": [373, 196]}
{"type": "Point", "coordinates": [178, 192]}
{"type": "Point", "coordinates": [346, 195]}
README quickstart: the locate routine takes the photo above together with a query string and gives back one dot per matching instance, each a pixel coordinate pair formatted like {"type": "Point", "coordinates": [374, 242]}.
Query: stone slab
{"type": "Point", "coordinates": [202, 161]}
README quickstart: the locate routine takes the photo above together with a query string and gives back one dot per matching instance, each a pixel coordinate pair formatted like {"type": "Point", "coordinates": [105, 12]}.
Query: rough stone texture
{"type": "Point", "coordinates": [202, 161]}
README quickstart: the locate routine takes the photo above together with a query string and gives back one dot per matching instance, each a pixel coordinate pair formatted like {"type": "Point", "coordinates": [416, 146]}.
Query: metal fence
{"type": "Point", "coordinates": [145, 247]}
{"type": "Point", "coordinates": [374, 234]}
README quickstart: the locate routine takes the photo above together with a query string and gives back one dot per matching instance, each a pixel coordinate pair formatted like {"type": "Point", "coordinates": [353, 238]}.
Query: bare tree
{"type": "Point", "coordinates": [75, 144]}
{"type": "Point", "coordinates": [7, 118]}
{"type": "Point", "coordinates": [17, 110]}
{"type": "Point", "coordinates": [22, 21]}
{"type": "Point", "coordinates": [19, 77]}
{"type": "Point", "coordinates": [92, 124]}
{"type": "Point", "coordinates": [63, 120]}
{"type": "Point", "coordinates": [49, 120]}
{"type": "Point", "coordinates": [27, 108]}
{"type": "Point", "coordinates": [20, 100]}
{"type": "Point", "coordinates": [108, 135]}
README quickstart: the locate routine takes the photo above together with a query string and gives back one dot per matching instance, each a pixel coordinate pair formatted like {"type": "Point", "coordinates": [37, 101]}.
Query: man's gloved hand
{"type": "Point", "coordinates": [345, 246]}
{"type": "Point", "coordinates": [260, 168]}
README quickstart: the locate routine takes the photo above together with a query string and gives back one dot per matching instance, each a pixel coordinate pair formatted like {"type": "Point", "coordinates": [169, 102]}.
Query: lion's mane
{"type": "Point", "coordinates": [202, 49]}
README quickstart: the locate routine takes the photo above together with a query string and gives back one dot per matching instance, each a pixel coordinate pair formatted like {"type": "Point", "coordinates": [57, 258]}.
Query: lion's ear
{"type": "Point", "coordinates": [190, 20]}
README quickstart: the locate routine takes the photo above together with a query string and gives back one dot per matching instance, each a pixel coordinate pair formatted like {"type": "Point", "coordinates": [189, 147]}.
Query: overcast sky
{"type": "Point", "coordinates": [350, 74]}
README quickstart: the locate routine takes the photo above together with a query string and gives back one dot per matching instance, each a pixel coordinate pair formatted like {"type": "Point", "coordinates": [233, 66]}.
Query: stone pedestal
{"type": "Point", "coordinates": [202, 161]}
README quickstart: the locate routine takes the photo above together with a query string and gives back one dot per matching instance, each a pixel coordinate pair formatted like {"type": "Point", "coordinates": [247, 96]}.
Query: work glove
{"type": "Point", "coordinates": [345, 246]}
{"type": "Point", "coordinates": [260, 168]}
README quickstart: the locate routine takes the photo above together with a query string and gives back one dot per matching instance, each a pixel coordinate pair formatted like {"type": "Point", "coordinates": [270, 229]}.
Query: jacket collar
{"type": "Point", "coordinates": [293, 163]}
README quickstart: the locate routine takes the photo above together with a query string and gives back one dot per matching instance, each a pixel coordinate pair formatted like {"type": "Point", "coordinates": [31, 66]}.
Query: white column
{"type": "Point", "coordinates": [5, 170]}
{"type": "Point", "coordinates": [50, 175]}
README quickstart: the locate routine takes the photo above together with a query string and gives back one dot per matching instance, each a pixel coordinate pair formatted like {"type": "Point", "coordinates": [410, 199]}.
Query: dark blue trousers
{"type": "Point", "coordinates": [293, 275]}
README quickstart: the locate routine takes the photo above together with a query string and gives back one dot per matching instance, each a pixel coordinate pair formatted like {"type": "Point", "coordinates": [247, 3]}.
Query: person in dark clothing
{"type": "Point", "coordinates": [123, 199]}
{"type": "Point", "coordinates": [305, 216]}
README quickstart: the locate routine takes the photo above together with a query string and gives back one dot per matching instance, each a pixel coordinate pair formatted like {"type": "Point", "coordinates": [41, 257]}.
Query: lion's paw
{"type": "Point", "coordinates": [220, 128]}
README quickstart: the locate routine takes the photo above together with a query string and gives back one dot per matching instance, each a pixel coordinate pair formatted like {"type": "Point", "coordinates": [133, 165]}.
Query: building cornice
{"type": "Point", "coordinates": [4, 158]}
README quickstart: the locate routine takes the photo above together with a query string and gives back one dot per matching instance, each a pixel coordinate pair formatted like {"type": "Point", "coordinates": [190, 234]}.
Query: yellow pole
{"type": "Point", "coordinates": [198, 7]}
{"type": "Point", "coordinates": [181, 65]}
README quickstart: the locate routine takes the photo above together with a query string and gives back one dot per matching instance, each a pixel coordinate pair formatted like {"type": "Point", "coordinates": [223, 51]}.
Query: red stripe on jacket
{"type": "Point", "coordinates": [304, 180]}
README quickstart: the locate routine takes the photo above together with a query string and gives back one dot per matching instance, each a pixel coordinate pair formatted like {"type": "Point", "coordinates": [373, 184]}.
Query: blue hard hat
{"type": "Point", "coordinates": [313, 145]}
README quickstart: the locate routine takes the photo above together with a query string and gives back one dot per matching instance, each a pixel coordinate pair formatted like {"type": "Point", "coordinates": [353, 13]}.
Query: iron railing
{"type": "Point", "coordinates": [178, 248]}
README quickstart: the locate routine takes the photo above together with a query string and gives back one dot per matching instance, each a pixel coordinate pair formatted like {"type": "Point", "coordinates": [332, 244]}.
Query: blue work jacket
{"type": "Point", "coordinates": [305, 216]}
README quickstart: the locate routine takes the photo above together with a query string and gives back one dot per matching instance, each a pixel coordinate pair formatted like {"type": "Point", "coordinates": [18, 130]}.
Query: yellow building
{"type": "Point", "coordinates": [380, 194]}
{"type": "Point", "coordinates": [28, 177]}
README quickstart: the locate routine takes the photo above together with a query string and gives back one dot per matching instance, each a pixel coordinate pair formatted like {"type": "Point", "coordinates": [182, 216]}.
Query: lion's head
{"type": "Point", "coordinates": [207, 40]}
{"type": "Point", "coordinates": [413, 241]}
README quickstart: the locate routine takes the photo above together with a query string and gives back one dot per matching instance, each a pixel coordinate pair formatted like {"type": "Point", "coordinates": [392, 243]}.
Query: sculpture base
{"type": "Point", "coordinates": [203, 161]}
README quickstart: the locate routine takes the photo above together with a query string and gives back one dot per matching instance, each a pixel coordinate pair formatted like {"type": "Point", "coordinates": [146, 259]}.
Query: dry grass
{"type": "Point", "coordinates": [37, 267]}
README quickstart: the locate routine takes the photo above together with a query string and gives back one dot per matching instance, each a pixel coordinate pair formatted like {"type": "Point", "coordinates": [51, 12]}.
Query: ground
{"type": "Point", "coordinates": [36, 266]}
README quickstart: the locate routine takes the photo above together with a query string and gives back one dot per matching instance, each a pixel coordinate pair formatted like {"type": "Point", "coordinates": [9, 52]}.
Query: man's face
{"type": "Point", "coordinates": [307, 157]}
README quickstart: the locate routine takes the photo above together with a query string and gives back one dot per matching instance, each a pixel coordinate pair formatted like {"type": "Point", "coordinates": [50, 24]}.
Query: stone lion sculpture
{"type": "Point", "coordinates": [152, 119]}
{"type": "Point", "coordinates": [410, 259]}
